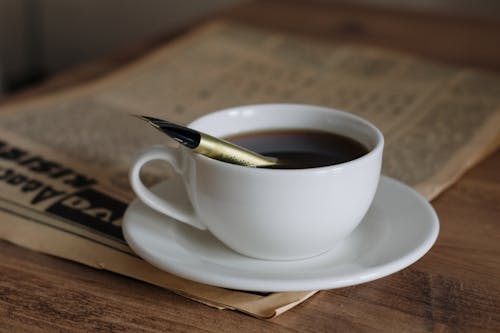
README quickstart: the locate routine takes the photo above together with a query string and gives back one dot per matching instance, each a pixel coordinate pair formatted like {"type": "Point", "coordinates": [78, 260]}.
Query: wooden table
{"type": "Point", "coordinates": [455, 287]}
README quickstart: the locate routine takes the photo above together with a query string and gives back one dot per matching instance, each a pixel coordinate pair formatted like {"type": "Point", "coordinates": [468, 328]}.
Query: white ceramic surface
{"type": "Point", "coordinates": [272, 213]}
{"type": "Point", "coordinates": [399, 228]}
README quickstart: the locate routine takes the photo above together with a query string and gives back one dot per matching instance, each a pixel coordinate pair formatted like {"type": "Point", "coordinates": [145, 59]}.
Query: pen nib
{"type": "Point", "coordinates": [155, 122]}
{"type": "Point", "coordinates": [179, 133]}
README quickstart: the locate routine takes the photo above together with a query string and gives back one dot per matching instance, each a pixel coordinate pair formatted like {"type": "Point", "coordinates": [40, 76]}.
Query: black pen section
{"type": "Point", "coordinates": [186, 136]}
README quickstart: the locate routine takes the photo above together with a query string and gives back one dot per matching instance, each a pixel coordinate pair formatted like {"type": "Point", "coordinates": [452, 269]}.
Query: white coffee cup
{"type": "Point", "coordinates": [273, 214]}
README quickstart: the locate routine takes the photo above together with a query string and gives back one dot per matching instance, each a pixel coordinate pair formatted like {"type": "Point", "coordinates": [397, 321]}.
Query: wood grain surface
{"type": "Point", "coordinates": [459, 40]}
{"type": "Point", "coordinates": [455, 287]}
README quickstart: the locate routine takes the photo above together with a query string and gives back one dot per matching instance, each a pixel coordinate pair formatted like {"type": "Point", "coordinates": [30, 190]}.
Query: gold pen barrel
{"type": "Point", "coordinates": [225, 151]}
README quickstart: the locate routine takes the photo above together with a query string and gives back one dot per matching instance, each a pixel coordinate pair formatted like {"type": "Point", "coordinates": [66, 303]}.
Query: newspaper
{"type": "Point", "coordinates": [64, 157]}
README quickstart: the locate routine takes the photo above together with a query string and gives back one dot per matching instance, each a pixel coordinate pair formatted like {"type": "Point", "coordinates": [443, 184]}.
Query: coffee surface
{"type": "Point", "coordinates": [301, 148]}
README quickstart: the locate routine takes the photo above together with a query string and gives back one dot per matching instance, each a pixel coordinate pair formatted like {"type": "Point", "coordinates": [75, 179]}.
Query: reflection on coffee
{"type": "Point", "coordinates": [301, 148]}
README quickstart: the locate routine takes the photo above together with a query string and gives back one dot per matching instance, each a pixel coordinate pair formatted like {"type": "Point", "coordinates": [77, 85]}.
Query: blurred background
{"type": "Point", "coordinates": [39, 38]}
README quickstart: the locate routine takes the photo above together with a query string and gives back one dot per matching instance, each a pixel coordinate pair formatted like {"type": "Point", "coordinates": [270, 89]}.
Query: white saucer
{"type": "Point", "coordinates": [399, 228]}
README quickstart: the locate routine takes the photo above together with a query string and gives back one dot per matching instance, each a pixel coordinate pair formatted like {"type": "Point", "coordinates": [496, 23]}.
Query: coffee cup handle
{"type": "Point", "coordinates": [168, 155]}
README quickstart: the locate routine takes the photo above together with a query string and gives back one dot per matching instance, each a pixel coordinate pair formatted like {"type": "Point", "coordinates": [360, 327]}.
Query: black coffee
{"type": "Point", "coordinates": [300, 149]}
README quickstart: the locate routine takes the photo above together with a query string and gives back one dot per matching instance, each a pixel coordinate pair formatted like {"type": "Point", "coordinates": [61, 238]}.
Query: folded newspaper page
{"type": "Point", "coordinates": [64, 157]}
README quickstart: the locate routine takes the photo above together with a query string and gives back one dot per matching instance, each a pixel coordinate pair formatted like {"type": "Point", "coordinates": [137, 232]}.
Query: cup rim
{"type": "Point", "coordinates": [220, 164]}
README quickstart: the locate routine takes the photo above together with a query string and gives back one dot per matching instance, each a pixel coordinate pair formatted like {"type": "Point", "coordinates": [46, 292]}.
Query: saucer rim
{"type": "Point", "coordinates": [266, 284]}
